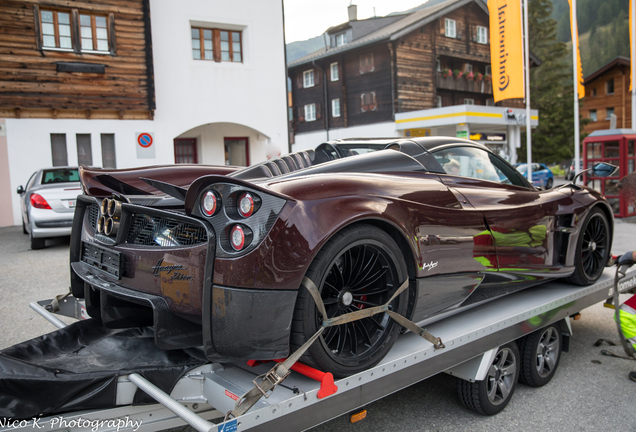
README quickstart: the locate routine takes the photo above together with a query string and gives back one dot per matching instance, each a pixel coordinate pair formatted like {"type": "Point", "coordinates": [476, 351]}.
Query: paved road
{"type": "Point", "coordinates": [589, 391]}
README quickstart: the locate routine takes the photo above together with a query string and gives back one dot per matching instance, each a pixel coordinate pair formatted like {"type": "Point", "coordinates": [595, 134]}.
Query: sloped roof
{"type": "Point", "coordinates": [618, 61]}
{"type": "Point", "coordinates": [392, 30]}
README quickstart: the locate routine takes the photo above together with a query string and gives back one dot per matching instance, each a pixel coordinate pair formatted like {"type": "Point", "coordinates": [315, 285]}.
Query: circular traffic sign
{"type": "Point", "coordinates": [144, 140]}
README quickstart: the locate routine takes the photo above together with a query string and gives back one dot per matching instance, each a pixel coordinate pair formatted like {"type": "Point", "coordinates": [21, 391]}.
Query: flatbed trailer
{"type": "Point", "coordinates": [204, 395]}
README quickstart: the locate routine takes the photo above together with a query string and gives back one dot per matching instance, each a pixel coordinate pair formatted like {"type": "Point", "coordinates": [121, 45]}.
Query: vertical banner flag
{"type": "Point", "coordinates": [579, 68]}
{"type": "Point", "coordinates": [632, 57]}
{"type": "Point", "coordinates": [506, 49]}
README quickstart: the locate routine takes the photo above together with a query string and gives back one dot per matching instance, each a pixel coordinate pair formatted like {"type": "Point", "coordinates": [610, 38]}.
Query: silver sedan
{"type": "Point", "coordinates": [48, 203]}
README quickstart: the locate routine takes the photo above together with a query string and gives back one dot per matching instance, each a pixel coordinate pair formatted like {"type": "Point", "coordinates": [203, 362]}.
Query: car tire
{"type": "Point", "coordinates": [492, 394]}
{"type": "Point", "coordinates": [549, 184]}
{"type": "Point", "coordinates": [340, 269]}
{"type": "Point", "coordinates": [592, 249]}
{"type": "Point", "coordinates": [540, 353]}
{"type": "Point", "coordinates": [37, 243]}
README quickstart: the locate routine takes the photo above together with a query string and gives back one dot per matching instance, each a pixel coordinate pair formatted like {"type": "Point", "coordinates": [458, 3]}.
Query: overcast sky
{"type": "Point", "coordinates": [305, 19]}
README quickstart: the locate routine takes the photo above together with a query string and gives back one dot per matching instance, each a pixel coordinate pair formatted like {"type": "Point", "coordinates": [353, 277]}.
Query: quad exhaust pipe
{"type": "Point", "coordinates": [110, 216]}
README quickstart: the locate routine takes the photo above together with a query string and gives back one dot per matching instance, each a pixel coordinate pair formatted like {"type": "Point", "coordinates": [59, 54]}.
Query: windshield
{"type": "Point", "coordinates": [61, 175]}
{"type": "Point", "coordinates": [358, 149]}
{"type": "Point", "coordinates": [522, 168]}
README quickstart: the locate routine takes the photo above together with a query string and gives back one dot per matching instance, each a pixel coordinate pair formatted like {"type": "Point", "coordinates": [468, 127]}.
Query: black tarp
{"type": "Point", "coordinates": [76, 368]}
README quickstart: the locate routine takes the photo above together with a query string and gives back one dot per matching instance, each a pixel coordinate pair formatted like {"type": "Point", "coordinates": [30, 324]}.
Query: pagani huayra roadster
{"type": "Point", "coordinates": [214, 257]}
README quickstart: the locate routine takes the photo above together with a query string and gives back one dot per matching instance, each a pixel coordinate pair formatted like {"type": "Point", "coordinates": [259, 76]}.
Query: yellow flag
{"type": "Point", "coordinates": [506, 49]}
{"type": "Point", "coordinates": [632, 58]}
{"type": "Point", "coordinates": [579, 68]}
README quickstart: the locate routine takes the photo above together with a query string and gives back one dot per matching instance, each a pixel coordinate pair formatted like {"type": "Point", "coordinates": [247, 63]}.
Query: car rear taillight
{"type": "Point", "coordinates": [208, 203]}
{"type": "Point", "coordinates": [237, 238]}
{"type": "Point", "coordinates": [246, 205]}
{"type": "Point", "coordinates": [38, 201]}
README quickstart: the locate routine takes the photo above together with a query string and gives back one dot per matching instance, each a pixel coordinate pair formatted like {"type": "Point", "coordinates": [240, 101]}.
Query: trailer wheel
{"type": "Point", "coordinates": [540, 355]}
{"type": "Point", "coordinates": [359, 267]}
{"type": "Point", "coordinates": [491, 395]}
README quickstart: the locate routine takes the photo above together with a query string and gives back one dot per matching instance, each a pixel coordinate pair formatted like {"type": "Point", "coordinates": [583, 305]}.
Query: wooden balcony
{"type": "Point", "coordinates": [463, 84]}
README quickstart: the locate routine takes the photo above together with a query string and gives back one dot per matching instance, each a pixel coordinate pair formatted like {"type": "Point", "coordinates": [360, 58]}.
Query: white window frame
{"type": "Point", "coordinates": [335, 76]}
{"type": "Point", "coordinates": [308, 78]}
{"type": "Point", "coordinates": [341, 39]}
{"type": "Point", "coordinates": [310, 112]}
{"type": "Point", "coordinates": [439, 102]}
{"type": "Point", "coordinates": [607, 86]}
{"type": "Point", "coordinates": [593, 115]}
{"type": "Point", "coordinates": [608, 114]}
{"type": "Point", "coordinates": [468, 68]}
{"type": "Point", "coordinates": [469, 101]}
{"type": "Point", "coordinates": [488, 70]}
{"type": "Point", "coordinates": [450, 28]}
{"type": "Point", "coordinates": [335, 107]}
{"type": "Point", "coordinates": [438, 64]}
{"type": "Point", "coordinates": [482, 35]}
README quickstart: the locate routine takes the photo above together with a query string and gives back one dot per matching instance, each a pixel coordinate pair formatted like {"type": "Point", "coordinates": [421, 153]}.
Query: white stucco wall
{"type": "Point", "coordinates": [311, 140]}
{"type": "Point", "coordinates": [191, 93]}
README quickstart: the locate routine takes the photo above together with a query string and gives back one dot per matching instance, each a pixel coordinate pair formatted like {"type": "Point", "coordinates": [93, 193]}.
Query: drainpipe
{"type": "Point", "coordinates": [324, 84]}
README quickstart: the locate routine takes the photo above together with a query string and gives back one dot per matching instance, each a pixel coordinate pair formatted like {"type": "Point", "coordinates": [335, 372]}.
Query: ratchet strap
{"type": "Point", "coordinates": [265, 384]}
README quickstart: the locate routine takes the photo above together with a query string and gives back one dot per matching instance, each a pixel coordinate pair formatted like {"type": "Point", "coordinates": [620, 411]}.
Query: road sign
{"type": "Point", "coordinates": [145, 147]}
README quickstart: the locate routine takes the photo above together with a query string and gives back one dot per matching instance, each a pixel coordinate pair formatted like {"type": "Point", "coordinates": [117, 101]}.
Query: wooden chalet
{"type": "Point", "coordinates": [435, 56]}
{"type": "Point", "coordinates": [87, 59]}
{"type": "Point", "coordinates": [606, 93]}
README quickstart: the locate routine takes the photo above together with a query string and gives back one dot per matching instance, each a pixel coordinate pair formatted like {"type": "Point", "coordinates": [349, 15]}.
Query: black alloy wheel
{"type": "Point", "coordinates": [492, 394]}
{"type": "Point", "coordinates": [593, 249]}
{"type": "Point", "coordinates": [540, 355]}
{"type": "Point", "coordinates": [359, 268]}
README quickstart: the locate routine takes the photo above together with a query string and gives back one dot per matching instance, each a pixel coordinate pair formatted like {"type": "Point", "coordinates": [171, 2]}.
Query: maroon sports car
{"type": "Point", "coordinates": [214, 257]}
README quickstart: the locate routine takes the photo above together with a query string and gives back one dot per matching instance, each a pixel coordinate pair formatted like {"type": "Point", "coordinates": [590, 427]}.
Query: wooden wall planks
{"type": "Point", "coordinates": [30, 82]}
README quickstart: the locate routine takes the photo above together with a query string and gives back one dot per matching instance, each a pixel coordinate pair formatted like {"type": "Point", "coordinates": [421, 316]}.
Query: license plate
{"type": "Point", "coordinates": [105, 260]}
{"type": "Point", "coordinates": [71, 204]}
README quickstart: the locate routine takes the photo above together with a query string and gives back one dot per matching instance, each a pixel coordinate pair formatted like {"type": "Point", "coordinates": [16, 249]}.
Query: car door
{"type": "Point", "coordinates": [522, 219]}
{"type": "Point", "coordinates": [26, 196]}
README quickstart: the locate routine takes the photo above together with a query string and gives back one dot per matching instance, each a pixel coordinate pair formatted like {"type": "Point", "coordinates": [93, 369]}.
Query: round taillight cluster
{"type": "Point", "coordinates": [237, 238]}
{"type": "Point", "coordinates": [246, 205]}
{"type": "Point", "coordinates": [208, 203]}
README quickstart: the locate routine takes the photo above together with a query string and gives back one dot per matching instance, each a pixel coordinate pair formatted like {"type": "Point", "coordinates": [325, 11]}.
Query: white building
{"type": "Point", "coordinates": [212, 84]}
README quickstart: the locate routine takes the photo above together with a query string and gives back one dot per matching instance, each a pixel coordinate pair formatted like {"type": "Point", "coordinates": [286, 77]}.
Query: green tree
{"type": "Point", "coordinates": [550, 89]}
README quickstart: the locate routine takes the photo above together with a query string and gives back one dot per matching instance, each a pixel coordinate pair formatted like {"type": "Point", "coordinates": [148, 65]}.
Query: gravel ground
{"type": "Point", "coordinates": [589, 391]}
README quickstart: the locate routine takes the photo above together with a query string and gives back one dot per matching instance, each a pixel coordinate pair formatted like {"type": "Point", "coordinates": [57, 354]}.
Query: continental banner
{"type": "Point", "coordinates": [579, 68]}
{"type": "Point", "coordinates": [506, 49]}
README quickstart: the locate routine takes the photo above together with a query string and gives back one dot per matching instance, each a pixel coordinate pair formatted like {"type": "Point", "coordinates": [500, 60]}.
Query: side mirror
{"type": "Point", "coordinates": [20, 190]}
{"type": "Point", "coordinates": [603, 169]}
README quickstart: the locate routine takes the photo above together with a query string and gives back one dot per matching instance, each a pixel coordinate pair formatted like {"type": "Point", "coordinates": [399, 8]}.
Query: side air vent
{"type": "Point", "coordinates": [93, 214]}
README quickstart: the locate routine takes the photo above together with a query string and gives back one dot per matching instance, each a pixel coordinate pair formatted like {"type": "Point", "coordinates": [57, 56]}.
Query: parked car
{"type": "Point", "coordinates": [222, 261]}
{"type": "Point", "coordinates": [48, 203]}
{"type": "Point", "coordinates": [541, 174]}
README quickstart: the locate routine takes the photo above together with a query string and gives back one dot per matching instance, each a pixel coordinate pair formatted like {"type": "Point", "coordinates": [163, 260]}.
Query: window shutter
{"type": "Point", "coordinates": [301, 114]}
{"type": "Point", "coordinates": [38, 34]}
{"type": "Point", "coordinates": [373, 106]}
{"type": "Point", "coordinates": [442, 24]}
{"type": "Point", "coordinates": [216, 45]}
{"type": "Point", "coordinates": [363, 106]}
{"type": "Point", "coordinates": [299, 79]}
{"type": "Point", "coordinates": [111, 34]}
{"type": "Point", "coordinates": [317, 77]}
{"type": "Point", "coordinates": [318, 111]}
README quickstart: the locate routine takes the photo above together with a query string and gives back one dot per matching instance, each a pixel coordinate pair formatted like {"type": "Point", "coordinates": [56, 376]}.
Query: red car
{"type": "Point", "coordinates": [215, 257]}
